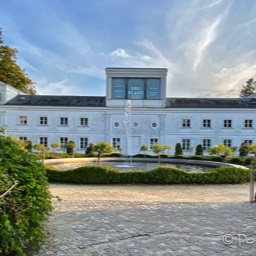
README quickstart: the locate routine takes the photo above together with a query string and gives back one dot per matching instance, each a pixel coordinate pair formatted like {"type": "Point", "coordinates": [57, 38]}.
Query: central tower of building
{"type": "Point", "coordinates": [145, 87]}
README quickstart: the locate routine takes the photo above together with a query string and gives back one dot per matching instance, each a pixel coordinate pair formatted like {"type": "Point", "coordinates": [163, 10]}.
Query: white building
{"type": "Point", "coordinates": [134, 112]}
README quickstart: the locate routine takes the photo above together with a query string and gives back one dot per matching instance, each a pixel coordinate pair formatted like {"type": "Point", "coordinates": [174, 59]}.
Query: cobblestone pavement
{"type": "Point", "coordinates": [151, 220]}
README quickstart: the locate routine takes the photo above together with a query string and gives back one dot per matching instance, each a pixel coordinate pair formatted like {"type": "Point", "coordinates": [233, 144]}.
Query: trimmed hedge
{"type": "Point", "coordinates": [160, 175]}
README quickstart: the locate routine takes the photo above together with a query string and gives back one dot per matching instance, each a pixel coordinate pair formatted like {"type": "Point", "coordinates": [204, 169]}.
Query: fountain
{"type": "Point", "coordinates": [127, 123]}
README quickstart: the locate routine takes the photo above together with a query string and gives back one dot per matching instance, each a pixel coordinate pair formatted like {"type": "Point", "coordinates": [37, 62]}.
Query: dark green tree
{"type": "Point", "coordinates": [248, 89]}
{"type": "Point", "coordinates": [178, 149]}
{"type": "Point", "coordinates": [199, 150]}
{"type": "Point", "coordinates": [10, 71]}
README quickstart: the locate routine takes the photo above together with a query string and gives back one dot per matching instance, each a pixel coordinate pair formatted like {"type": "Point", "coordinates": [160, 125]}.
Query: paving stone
{"type": "Point", "coordinates": [126, 227]}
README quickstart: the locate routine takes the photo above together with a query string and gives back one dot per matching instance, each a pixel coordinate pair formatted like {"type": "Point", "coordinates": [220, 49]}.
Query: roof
{"type": "Point", "coordinates": [51, 100]}
{"type": "Point", "coordinates": [95, 101]}
{"type": "Point", "coordinates": [211, 103]}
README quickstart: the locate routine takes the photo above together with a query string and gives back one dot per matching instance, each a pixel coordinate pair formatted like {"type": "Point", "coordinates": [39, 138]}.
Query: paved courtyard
{"type": "Point", "coordinates": [151, 220]}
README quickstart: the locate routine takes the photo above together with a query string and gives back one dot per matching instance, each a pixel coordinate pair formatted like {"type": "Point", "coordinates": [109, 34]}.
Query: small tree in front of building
{"type": "Point", "coordinates": [43, 150]}
{"type": "Point", "coordinates": [199, 150]}
{"type": "Point", "coordinates": [71, 145]}
{"type": "Point", "coordinates": [221, 150]}
{"type": "Point", "coordinates": [158, 149]}
{"type": "Point", "coordinates": [55, 146]}
{"type": "Point", "coordinates": [102, 148]}
{"type": "Point", "coordinates": [178, 149]}
{"type": "Point", "coordinates": [144, 149]}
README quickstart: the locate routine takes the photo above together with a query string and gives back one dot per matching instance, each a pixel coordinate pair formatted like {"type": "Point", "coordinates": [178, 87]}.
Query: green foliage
{"type": "Point", "coordinates": [178, 150]}
{"type": "Point", "coordinates": [25, 201]}
{"type": "Point", "coordinates": [222, 151]}
{"type": "Point", "coordinates": [144, 149]}
{"type": "Point", "coordinates": [199, 150]}
{"type": "Point", "coordinates": [161, 175]}
{"type": "Point", "coordinates": [70, 147]}
{"type": "Point", "coordinates": [248, 89]}
{"type": "Point", "coordinates": [244, 149]}
{"type": "Point", "coordinates": [89, 150]}
{"type": "Point", "coordinates": [10, 72]}
{"type": "Point", "coordinates": [43, 151]}
{"type": "Point", "coordinates": [158, 148]}
{"type": "Point", "coordinates": [102, 148]}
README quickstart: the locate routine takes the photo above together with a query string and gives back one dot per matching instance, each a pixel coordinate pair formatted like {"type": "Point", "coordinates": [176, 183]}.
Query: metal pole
{"type": "Point", "coordinates": [252, 199]}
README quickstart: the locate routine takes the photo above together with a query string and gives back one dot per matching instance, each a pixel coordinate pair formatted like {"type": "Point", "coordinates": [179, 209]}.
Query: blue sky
{"type": "Point", "coordinates": [208, 46]}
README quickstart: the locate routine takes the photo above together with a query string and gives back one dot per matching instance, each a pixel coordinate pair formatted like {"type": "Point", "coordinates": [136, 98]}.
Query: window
{"type": "Point", "coordinates": [207, 123]}
{"type": "Point", "coordinates": [185, 144]}
{"type": "Point", "coordinates": [136, 88]}
{"type": "Point", "coordinates": [154, 125]}
{"type": "Point", "coordinates": [83, 143]}
{"type": "Point", "coordinates": [23, 120]}
{"type": "Point", "coordinates": [153, 141]}
{"type": "Point", "coordinates": [63, 121]}
{"type": "Point", "coordinates": [63, 141]}
{"type": "Point", "coordinates": [248, 142]}
{"type": "Point", "coordinates": [227, 142]}
{"type": "Point", "coordinates": [23, 138]}
{"type": "Point", "coordinates": [43, 141]}
{"type": "Point", "coordinates": [43, 120]}
{"type": "Point", "coordinates": [248, 123]}
{"type": "Point", "coordinates": [116, 143]}
{"type": "Point", "coordinates": [186, 123]}
{"type": "Point", "coordinates": [84, 121]}
{"type": "Point", "coordinates": [206, 144]}
{"type": "Point", "coordinates": [116, 124]}
{"type": "Point", "coordinates": [227, 123]}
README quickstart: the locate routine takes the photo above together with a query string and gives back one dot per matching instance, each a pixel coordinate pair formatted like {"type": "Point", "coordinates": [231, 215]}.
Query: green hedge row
{"type": "Point", "coordinates": [161, 175]}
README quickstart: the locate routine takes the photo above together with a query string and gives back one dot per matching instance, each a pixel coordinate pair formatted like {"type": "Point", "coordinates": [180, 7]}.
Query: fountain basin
{"type": "Point", "coordinates": [138, 164]}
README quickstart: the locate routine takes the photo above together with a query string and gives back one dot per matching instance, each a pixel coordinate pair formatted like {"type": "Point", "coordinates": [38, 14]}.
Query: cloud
{"type": "Point", "coordinates": [120, 53]}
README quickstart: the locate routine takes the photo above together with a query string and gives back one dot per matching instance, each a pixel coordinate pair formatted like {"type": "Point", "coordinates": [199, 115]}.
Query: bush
{"type": "Point", "coordinates": [178, 149]}
{"type": "Point", "coordinates": [25, 202]}
{"type": "Point", "coordinates": [199, 150]}
{"type": "Point", "coordinates": [160, 175]}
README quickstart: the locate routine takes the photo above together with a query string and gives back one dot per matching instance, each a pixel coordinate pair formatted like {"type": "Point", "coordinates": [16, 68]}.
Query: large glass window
{"type": "Point", "coordinates": [63, 121]}
{"type": "Point", "coordinates": [63, 141]}
{"type": "Point", "coordinates": [136, 88]}
{"type": "Point", "coordinates": [186, 123]}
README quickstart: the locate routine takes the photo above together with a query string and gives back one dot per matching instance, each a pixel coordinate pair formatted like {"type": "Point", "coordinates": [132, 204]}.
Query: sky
{"type": "Point", "coordinates": [208, 46]}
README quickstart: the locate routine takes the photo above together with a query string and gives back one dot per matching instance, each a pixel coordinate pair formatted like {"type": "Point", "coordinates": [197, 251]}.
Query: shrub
{"type": "Point", "coordinates": [160, 175]}
{"type": "Point", "coordinates": [25, 202]}
{"type": "Point", "coordinates": [199, 150]}
{"type": "Point", "coordinates": [178, 149]}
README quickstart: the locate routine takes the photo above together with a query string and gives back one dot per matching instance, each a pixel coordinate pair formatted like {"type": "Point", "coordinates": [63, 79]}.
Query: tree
{"type": "Point", "coordinates": [178, 149]}
{"type": "Point", "coordinates": [70, 147]}
{"type": "Point", "coordinates": [199, 150]}
{"type": "Point", "coordinates": [10, 72]}
{"type": "Point", "coordinates": [158, 148]}
{"type": "Point", "coordinates": [55, 146]}
{"type": "Point", "coordinates": [25, 202]}
{"type": "Point", "coordinates": [102, 148]}
{"type": "Point", "coordinates": [248, 89]}
{"type": "Point", "coordinates": [252, 149]}
{"type": "Point", "coordinates": [222, 151]}
{"type": "Point", "coordinates": [143, 149]}
{"type": "Point", "coordinates": [42, 149]}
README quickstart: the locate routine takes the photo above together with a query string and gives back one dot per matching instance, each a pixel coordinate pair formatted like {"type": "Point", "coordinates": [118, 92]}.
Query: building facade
{"type": "Point", "coordinates": [134, 112]}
